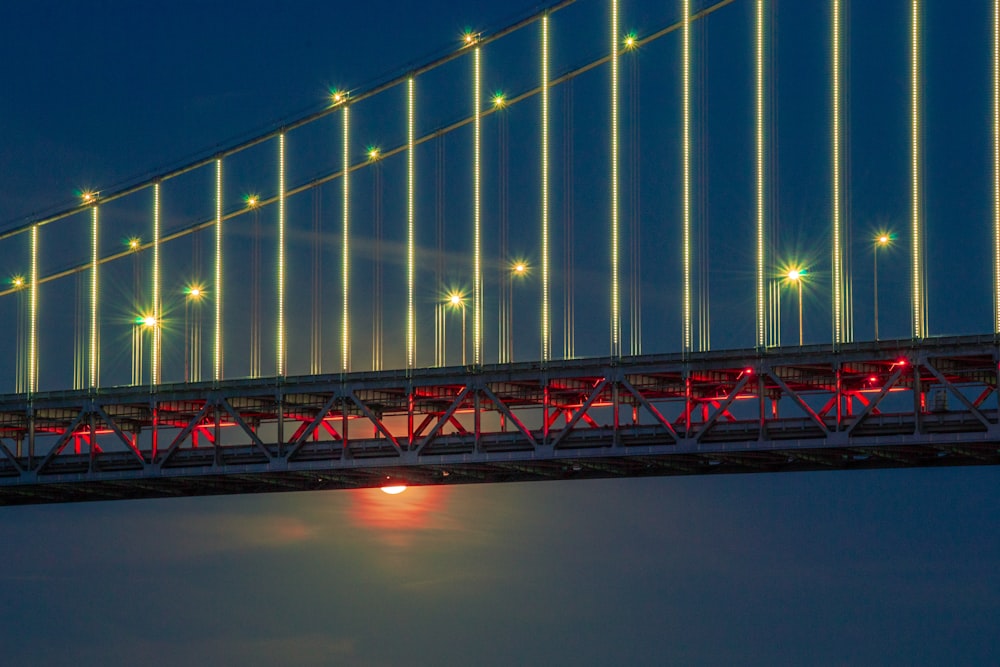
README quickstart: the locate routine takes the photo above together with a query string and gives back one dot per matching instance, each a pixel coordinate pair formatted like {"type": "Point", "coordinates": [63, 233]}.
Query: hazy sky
{"type": "Point", "coordinates": [818, 568]}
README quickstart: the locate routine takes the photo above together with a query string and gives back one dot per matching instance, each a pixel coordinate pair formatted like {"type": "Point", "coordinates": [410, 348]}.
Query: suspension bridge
{"type": "Point", "coordinates": [388, 290]}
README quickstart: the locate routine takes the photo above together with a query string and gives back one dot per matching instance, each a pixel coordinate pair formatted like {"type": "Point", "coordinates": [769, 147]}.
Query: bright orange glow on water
{"type": "Point", "coordinates": [417, 509]}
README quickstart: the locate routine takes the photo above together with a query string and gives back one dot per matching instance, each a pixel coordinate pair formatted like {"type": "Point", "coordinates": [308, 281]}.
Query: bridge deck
{"type": "Point", "coordinates": [932, 402]}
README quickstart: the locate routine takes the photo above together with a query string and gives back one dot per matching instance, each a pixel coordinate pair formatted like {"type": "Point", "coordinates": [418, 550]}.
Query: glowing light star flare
{"type": "Point", "coordinates": [546, 327]}
{"type": "Point", "coordinates": [217, 361]}
{"type": "Point", "coordinates": [615, 286]}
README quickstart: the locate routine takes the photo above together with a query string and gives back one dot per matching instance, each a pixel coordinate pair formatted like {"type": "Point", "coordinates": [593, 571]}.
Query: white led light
{"type": "Point", "coordinates": [838, 276]}
{"type": "Point", "coordinates": [615, 287]}
{"type": "Point", "coordinates": [761, 230]}
{"type": "Point", "coordinates": [477, 287]}
{"type": "Point", "coordinates": [546, 326]}
{"type": "Point", "coordinates": [996, 164]}
{"type": "Point", "coordinates": [411, 338]}
{"type": "Point", "coordinates": [155, 333]}
{"type": "Point", "coordinates": [217, 362]}
{"type": "Point", "coordinates": [94, 302]}
{"type": "Point", "coordinates": [33, 315]}
{"type": "Point", "coordinates": [345, 257]}
{"type": "Point", "coordinates": [917, 258]}
{"type": "Point", "coordinates": [686, 157]}
{"type": "Point", "coordinates": [280, 351]}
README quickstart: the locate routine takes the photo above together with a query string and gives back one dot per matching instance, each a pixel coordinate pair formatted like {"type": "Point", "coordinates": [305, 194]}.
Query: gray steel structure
{"type": "Point", "coordinates": [931, 402]}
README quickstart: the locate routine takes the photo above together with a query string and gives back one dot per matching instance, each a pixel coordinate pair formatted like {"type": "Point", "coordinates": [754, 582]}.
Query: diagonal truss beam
{"type": "Point", "coordinates": [9, 456]}
{"type": "Point", "coordinates": [954, 390]}
{"type": "Point", "coordinates": [651, 408]}
{"type": "Point", "coordinates": [444, 418]}
{"type": "Point", "coordinates": [59, 444]}
{"type": "Point", "coordinates": [571, 424]}
{"type": "Point", "coordinates": [723, 407]}
{"type": "Point", "coordinates": [113, 425]}
{"type": "Point", "coordinates": [886, 388]}
{"type": "Point", "coordinates": [366, 411]}
{"type": "Point", "coordinates": [509, 414]}
{"type": "Point", "coordinates": [246, 428]}
{"type": "Point", "coordinates": [794, 395]}
{"type": "Point", "coordinates": [185, 432]}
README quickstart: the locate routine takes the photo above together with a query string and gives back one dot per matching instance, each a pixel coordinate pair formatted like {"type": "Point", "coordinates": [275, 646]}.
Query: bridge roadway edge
{"type": "Point", "coordinates": [789, 433]}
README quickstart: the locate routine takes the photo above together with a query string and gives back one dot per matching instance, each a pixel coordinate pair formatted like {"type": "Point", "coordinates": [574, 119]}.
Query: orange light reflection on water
{"type": "Point", "coordinates": [418, 508]}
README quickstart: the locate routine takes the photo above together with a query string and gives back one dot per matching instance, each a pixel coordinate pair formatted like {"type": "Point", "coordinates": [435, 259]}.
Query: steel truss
{"type": "Point", "coordinates": [932, 402]}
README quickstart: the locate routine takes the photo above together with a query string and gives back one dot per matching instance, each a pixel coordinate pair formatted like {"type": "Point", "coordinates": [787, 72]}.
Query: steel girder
{"type": "Point", "coordinates": [898, 403]}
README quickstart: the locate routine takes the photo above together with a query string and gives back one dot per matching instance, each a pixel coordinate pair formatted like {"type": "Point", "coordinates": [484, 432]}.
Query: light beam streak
{"type": "Point", "coordinates": [546, 325]}
{"type": "Point", "coordinates": [33, 316]}
{"type": "Point", "coordinates": [94, 301]}
{"type": "Point", "coordinates": [919, 323]}
{"type": "Point", "coordinates": [615, 286]}
{"type": "Point", "coordinates": [686, 157]}
{"type": "Point", "coordinates": [345, 333]}
{"type": "Point", "coordinates": [154, 372]}
{"type": "Point", "coordinates": [280, 351]}
{"type": "Point", "coordinates": [477, 287]}
{"type": "Point", "coordinates": [996, 166]}
{"type": "Point", "coordinates": [838, 267]}
{"type": "Point", "coordinates": [217, 344]}
{"type": "Point", "coordinates": [411, 339]}
{"type": "Point", "coordinates": [760, 157]}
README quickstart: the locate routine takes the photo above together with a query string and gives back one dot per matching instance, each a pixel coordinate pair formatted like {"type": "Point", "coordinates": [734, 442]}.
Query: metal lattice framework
{"type": "Point", "coordinates": [874, 405]}
{"type": "Point", "coordinates": [922, 401]}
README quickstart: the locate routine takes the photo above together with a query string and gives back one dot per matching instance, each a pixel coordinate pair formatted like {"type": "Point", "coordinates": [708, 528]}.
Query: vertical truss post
{"type": "Point", "coordinates": [688, 402]}
{"type": "Point", "coordinates": [918, 399]}
{"type": "Point", "coordinates": [217, 434]}
{"type": "Point", "coordinates": [155, 434]}
{"type": "Point", "coordinates": [92, 440]}
{"type": "Point", "coordinates": [344, 423]}
{"type": "Point", "coordinates": [409, 417]}
{"type": "Point", "coordinates": [280, 404]}
{"type": "Point", "coordinates": [477, 417]}
{"type": "Point", "coordinates": [545, 412]}
{"type": "Point", "coordinates": [616, 418]}
{"type": "Point", "coordinates": [839, 388]}
{"type": "Point", "coordinates": [762, 405]}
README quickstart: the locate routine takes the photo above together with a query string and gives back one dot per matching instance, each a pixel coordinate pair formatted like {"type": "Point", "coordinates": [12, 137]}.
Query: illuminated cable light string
{"type": "Point", "coordinates": [94, 302]}
{"type": "Point", "coordinates": [345, 333]}
{"type": "Point", "coordinates": [916, 222]}
{"type": "Point", "coordinates": [33, 315]}
{"type": "Point", "coordinates": [156, 332]}
{"type": "Point", "coordinates": [996, 165]}
{"type": "Point", "coordinates": [546, 327]}
{"type": "Point", "coordinates": [686, 167]}
{"type": "Point", "coordinates": [280, 365]}
{"type": "Point", "coordinates": [838, 277]}
{"type": "Point", "coordinates": [477, 287]}
{"type": "Point", "coordinates": [615, 286]}
{"type": "Point", "coordinates": [217, 343]}
{"type": "Point", "coordinates": [410, 224]}
{"type": "Point", "coordinates": [760, 159]}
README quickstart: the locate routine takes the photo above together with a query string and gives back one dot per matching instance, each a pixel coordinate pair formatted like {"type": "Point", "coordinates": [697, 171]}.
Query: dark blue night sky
{"type": "Point", "coordinates": [889, 567]}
